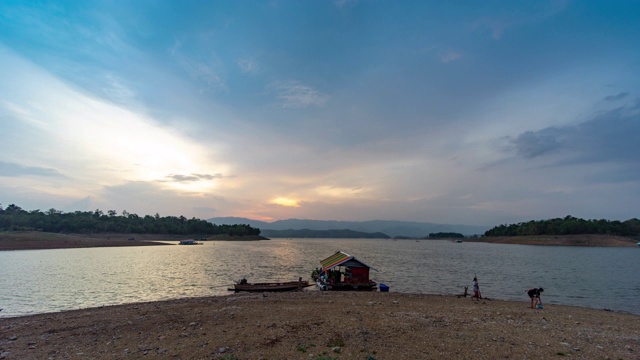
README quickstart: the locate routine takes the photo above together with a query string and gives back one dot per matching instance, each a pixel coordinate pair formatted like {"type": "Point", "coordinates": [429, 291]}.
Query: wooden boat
{"type": "Point", "coordinates": [343, 272]}
{"type": "Point", "coordinates": [270, 287]}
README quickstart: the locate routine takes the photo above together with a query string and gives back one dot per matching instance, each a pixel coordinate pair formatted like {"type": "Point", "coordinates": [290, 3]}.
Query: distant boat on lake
{"type": "Point", "coordinates": [189, 242]}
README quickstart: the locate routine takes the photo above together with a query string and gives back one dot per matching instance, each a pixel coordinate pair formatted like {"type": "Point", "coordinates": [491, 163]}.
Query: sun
{"type": "Point", "coordinates": [283, 201]}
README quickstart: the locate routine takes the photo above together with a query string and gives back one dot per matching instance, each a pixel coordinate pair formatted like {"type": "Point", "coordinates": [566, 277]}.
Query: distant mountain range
{"type": "Point", "coordinates": [388, 227]}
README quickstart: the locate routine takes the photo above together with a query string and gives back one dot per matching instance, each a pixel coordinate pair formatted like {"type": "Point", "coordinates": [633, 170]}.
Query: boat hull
{"type": "Point", "coordinates": [371, 286]}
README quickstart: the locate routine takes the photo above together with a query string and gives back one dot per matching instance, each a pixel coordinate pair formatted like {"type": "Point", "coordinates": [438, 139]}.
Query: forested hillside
{"type": "Point", "coordinates": [15, 218]}
{"type": "Point", "coordinates": [568, 226]}
{"type": "Point", "coordinates": [330, 234]}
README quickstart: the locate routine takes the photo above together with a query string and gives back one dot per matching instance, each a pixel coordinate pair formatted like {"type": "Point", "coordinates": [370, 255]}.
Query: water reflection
{"type": "Point", "coordinates": [51, 280]}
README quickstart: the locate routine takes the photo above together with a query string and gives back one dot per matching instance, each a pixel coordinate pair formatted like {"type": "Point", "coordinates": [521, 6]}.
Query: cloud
{"type": "Point", "coordinates": [293, 94]}
{"type": "Point", "coordinates": [192, 177]}
{"type": "Point", "coordinates": [16, 170]}
{"type": "Point", "coordinates": [83, 204]}
{"type": "Point", "coordinates": [531, 144]}
{"type": "Point", "coordinates": [345, 3]}
{"type": "Point", "coordinates": [510, 16]}
{"type": "Point", "coordinates": [450, 56]}
{"type": "Point", "coordinates": [283, 201]}
{"type": "Point", "coordinates": [205, 209]}
{"type": "Point", "coordinates": [619, 96]}
{"type": "Point", "coordinates": [602, 139]}
{"type": "Point", "coordinates": [495, 26]}
{"type": "Point", "coordinates": [147, 198]}
{"type": "Point", "coordinates": [151, 110]}
{"type": "Point", "coordinates": [339, 192]}
{"type": "Point", "coordinates": [116, 89]}
{"type": "Point", "coordinates": [249, 65]}
{"type": "Point", "coordinates": [204, 66]}
{"type": "Point", "coordinates": [55, 124]}
{"type": "Point", "coordinates": [607, 137]}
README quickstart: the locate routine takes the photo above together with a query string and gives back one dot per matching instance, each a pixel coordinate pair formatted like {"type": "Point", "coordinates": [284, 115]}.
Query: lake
{"type": "Point", "coordinates": [40, 281]}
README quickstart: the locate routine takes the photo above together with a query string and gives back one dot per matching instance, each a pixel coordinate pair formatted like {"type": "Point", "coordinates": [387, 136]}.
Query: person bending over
{"type": "Point", "coordinates": [534, 294]}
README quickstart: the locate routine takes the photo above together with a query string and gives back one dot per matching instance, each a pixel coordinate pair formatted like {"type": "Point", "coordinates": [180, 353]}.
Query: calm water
{"type": "Point", "coordinates": [39, 281]}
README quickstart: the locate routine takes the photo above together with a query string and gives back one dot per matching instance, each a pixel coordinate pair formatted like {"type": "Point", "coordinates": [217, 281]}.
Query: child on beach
{"type": "Point", "coordinates": [476, 289]}
{"type": "Point", "coordinates": [534, 294]}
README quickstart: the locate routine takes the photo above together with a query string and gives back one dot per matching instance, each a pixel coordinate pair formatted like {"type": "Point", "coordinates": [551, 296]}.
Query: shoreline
{"type": "Point", "coordinates": [591, 240]}
{"type": "Point", "coordinates": [32, 240]}
{"type": "Point", "coordinates": [335, 325]}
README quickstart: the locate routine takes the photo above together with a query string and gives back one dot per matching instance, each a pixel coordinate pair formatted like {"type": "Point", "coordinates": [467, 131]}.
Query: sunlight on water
{"type": "Point", "coordinates": [38, 281]}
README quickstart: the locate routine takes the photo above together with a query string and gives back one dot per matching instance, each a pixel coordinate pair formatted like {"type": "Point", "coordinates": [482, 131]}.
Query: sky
{"type": "Point", "coordinates": [451, 112]}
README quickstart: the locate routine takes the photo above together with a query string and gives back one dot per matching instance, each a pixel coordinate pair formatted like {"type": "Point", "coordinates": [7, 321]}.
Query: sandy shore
{"type": "Point", "coordinates": [32, 240]}
{"type": "Point", "coordinates": [38, 240]}
{"type": "Point", "coordinates": [323, 325]}
{"type": "Point", "coordinates": [561, 240]}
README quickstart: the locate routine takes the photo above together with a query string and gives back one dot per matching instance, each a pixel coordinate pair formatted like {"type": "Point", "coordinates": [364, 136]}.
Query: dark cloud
{"type": "Point", "coordinates": [531, 144]}
{"type": "Point", "coordinates": [191, 178]}
{"type": "Point", "coordinates": [182, 178]}
{"type": "Point", "coordinates": [209, 177]}
{"type": "Point", "coordinates": [606, 138]}
{"type": "Point", "coordinates": [14, 170]}
{"type": "Point", "coordinates": [619, 96]}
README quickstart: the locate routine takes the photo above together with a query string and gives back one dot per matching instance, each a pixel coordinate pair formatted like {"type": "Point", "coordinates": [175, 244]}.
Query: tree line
{"type": "Point", "coordinates": [445, 235]}
{"type": "Point", "coordinates": [14, 218]}
{"type": "Point", "coordinates": [568, 225]}
{"type": "Point", "coordinates": [329, 234]}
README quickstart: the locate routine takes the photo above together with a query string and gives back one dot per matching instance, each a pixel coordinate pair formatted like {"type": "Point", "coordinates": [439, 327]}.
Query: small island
{"type": "Point", "coordinates": [567, 231]}
{"type": "Point", "coordinates": [53, 229]}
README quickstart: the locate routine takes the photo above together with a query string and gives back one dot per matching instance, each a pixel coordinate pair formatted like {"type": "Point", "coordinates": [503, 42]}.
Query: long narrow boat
{"type": "Point", "coordinates": [270, 287]}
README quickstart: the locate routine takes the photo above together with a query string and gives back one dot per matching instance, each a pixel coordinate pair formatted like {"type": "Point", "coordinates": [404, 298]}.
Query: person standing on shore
{"type": "Point", "coordinates": [476, 289]}
{"type": "Point", "coordinates": [534, 294]}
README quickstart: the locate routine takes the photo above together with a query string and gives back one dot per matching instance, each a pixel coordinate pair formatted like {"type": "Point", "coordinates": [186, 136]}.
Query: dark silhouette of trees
{"type": "Point", "coordinates": [568, 225]}
{"type": "Point", "coordinates": [90, 222]}
{"type": "Point", "coordinates": [445, 235]}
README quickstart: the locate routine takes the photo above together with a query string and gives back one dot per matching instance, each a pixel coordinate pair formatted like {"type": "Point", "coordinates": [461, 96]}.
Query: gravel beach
{"type": "Point", "coordinates": [323, 325]}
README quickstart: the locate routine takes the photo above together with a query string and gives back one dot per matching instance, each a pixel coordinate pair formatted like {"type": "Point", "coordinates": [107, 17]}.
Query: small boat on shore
{"type": "Point", "coordinates": [341, 272]}
{"type": "Point", "coordinates": [243, 285]}
{"type": "Point", "coordinates": [189, 242]}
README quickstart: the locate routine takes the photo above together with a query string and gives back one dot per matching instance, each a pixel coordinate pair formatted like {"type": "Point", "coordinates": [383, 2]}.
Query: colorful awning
{"type": "Point", "coordinates": [342, 258]}
{"type": "Point", "coordinates": [335, 260]}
